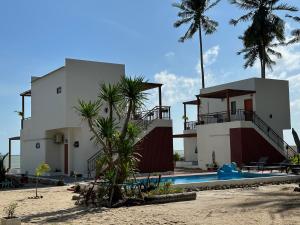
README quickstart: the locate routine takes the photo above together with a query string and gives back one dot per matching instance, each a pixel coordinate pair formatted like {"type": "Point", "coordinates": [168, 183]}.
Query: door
{"type": "Point", "coordinates": [66, 160]}
{"type": "Point", "coordinates": [248, 106]}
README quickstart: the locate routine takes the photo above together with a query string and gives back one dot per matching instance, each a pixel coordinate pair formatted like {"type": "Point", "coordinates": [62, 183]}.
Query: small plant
{"type": "Point", "coordinates": [176, 157]}
{"type": "Point", "coordinates": [10, 210]}
{"type": "Point", "coordinates": [39, 171]}
{"type": "Point", "coordinates": [296, 159]}
{"type": "Point", "coordinates": [164, 189]}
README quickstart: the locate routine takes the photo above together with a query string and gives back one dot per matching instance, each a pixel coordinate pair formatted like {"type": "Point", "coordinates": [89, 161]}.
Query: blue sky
{"type": "Point", "coordinates": [36, 36]}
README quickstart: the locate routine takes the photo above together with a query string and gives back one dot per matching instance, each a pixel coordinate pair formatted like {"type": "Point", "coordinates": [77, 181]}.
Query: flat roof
{"type": "Point", "coordinates": [26, 93]}
{"type": "Point", "coordinates": [192, 102]}
{"type": "Point", "coordinates": [148, 86]}
{"type": "Point", "coordinates": [226, 93]}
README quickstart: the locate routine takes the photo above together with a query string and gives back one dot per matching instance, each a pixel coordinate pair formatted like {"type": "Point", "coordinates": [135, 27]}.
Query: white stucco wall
{"type": "Point", "coordinates": [216, 137]}
{"type": "Point", "coordinates": [83, 79]}
{"type": "Point", "coordinates": [190, 145]}
{"type": "Point", "coordinates": [54, 113]}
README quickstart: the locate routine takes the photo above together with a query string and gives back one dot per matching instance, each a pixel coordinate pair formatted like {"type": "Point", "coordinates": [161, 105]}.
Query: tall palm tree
{"type": "Point", "coordinates": [296, 32]}
{"type": "Point", "coordinates": [265, 28]}
{"type": "Point", "coordinates": [193, 12]}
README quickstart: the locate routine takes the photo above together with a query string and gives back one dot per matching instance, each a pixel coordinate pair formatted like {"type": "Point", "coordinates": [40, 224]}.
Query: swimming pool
{"type": "Point", "coordinates": [189, 179]}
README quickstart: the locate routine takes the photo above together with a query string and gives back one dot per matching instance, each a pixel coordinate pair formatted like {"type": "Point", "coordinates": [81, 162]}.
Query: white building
{"type": "Point", "coordinates": [55, 133]}
{"type": "Point", "coordinates": [238, 122]}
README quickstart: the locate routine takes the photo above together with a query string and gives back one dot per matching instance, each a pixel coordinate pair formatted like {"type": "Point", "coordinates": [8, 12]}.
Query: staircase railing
{"type": "Point", "coordinates": [144, 119]}
{"type": "Point", "coordinates": [244, 115]}
{"type": "Point", "coordinates": [92, 162]}
{"type": "Point", "coordinates": [276, 139]}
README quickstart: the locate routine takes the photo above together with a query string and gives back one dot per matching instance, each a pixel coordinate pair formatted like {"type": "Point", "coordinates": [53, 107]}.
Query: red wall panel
{"type": "Point", "coordinates": [156, 150]}
{"type": "Point", "coordinates": [247, 145]}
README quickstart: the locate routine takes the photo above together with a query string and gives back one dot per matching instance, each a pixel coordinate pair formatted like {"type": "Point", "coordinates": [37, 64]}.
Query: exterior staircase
{"type": "Point", "coordinates": [145, 120]}
{"type": "Point", "coordinates": [285, 149]}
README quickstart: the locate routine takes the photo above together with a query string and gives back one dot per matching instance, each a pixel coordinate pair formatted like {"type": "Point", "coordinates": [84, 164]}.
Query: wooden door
{"type": "Point", "coordinates": [248, 106]}
{"type": "Point", "coordinates": [66, 159]}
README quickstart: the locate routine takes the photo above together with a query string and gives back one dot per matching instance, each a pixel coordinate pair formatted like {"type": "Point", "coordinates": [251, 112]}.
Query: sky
{"type": "Point", "coordinates": [36, 36]}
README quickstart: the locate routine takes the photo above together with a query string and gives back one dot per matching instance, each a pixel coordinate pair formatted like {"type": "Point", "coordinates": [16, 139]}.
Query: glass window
{"type": "Point", "coordinates": [58, 90]}
{"type": "Point", "coordinates": [233, 108]}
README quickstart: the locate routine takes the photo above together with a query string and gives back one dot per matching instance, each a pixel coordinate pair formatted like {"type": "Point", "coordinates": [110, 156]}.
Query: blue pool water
{"type": "Point", "coordinates": [206, 178]}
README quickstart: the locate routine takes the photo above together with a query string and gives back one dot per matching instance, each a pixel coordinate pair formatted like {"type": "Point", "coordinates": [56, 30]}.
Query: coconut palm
{"type": "Point", "coordinates": [193, 12]}
{"type": "Point", "coordinates": [265, 28]}
{"type": "Point", "coordinates": [295, 33]}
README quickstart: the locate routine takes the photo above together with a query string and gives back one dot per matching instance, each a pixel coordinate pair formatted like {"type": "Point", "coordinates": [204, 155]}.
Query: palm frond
{"type": "Point", "coordinates": [243, 18]}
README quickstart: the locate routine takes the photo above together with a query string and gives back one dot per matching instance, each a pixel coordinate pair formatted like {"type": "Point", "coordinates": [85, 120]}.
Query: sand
{"type": "Point", "coordinates": [274, 205]}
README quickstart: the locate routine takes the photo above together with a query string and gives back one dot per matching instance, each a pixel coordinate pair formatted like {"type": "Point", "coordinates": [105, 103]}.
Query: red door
{"type": "Point", "coordinates": [248, 106]}
{"type": "Point", "coordinates": [66, 169]}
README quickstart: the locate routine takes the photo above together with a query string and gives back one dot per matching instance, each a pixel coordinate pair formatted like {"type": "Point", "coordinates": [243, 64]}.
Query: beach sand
{"type": "Point", "coordinates": [274, 205]}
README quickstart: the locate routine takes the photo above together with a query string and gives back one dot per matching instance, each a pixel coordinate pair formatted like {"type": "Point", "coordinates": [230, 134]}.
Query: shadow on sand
{"type": "Point", "coordinates": [59, 216]}
{"type": "Point", "coordinates": [278, 202]}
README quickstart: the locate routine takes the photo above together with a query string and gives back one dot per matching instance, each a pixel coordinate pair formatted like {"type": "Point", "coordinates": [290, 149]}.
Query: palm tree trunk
{"type": "Point", "coordinates": [201, 56]}
{"type": "Point", "coordinates": [36, 186]}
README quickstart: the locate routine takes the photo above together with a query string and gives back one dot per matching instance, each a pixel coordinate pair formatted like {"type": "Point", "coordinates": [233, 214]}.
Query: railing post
{"type": "Point", "coordinates": [160, 102]}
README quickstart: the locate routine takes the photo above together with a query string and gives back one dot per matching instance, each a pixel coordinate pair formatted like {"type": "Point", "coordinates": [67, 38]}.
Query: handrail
{"type": "Point", "coordinates": [144, 118]}
{"type": "Point", "coordinates": [279, 141]}
{"type": "Point", "coordinates": [244, 115]}
{"type": "Point", "coordinates": [91, 162]}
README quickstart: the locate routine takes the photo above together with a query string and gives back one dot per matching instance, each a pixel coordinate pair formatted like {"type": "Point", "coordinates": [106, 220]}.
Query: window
{"type": "Point", "coordinates": [233, 108]}
{"type": "Point", "coordinates": [58, 90]}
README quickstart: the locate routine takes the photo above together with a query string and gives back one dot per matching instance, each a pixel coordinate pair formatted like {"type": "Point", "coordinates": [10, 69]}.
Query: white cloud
{"type": "Point", "coordinates": [295, 105]}
{"type": "Point", "coordinates": [211, 55]}
{"type": "Point", "coordinates": [169, 54]}
{"type": "Point", "coordinates": [177, 88]}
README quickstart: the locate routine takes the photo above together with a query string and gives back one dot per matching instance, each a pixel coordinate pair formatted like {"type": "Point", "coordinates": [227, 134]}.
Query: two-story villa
{"type": "Point", "coordinates": [238, 122]}
{"type": "Point", "coordinates": [55, 133]}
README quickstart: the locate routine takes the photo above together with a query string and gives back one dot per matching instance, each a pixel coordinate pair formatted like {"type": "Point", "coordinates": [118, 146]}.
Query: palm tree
{"type": "Point", "coordinates": [296, 32]}
{"type": "Point", "coordinates": [193, 12]}
{"type": "Point", "coordinates": [266, 27]}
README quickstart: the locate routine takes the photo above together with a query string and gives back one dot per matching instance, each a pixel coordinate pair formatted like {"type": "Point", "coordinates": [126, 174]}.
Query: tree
{"type": "Point", "coordinates": [39, 171]}
{"type": "Point", "coordinates": [295, 33]}
{"type": "Point", "coordinates": [265, 28]}
{"type": "Point", "coordinates": [115, 134]}
{"type": "Point", "coordinates": [193, 12]}
{"type": "Point", "coordinates": [3, 170]}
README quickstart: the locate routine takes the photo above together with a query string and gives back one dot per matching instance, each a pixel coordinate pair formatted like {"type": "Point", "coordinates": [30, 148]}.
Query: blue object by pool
{"type": "Point", "coordinates": [229, 171]}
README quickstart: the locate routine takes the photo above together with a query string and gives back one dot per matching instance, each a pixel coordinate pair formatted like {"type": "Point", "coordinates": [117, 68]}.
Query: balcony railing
{"type": "Point", "coordinates": [243, 115]}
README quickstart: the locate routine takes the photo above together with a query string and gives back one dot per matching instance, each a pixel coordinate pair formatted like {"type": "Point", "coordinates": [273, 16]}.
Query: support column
{"type": "Point", "coordinates": [160, 102]}
{"type": "Point", "coordinates": [184, 116]}
{"type": "Point", "coordinates": [228, 106]}
{"type": "Point", "coordinates": [198, 109]}
{"type": "Point", "coordinates": [9, 153]}
{"type": "Point", "coordinates": [23, 111]}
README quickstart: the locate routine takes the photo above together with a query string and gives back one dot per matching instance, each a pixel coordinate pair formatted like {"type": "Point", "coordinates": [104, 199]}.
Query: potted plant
{"type": "Point", "coordinates": [10, 218]}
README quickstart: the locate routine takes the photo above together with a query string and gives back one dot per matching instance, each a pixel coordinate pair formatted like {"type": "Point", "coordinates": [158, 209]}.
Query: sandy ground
{"type": "Point", "coordinates": [266, 205]}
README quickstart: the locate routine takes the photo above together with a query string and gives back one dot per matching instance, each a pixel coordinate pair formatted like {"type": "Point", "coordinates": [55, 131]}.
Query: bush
{"type": "Point", "coordinates": [176, 157]}
{"type": "Point", "coordinates": [164, 189]}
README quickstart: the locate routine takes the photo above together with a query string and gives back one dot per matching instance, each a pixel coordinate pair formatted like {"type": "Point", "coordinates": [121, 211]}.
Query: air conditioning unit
{"type": "Point", "coordinates": [58, 138]}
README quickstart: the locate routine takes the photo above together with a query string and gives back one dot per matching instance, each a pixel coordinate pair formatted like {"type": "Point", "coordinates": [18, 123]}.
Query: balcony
{"type": "Point", "coordinates": [220, 117]}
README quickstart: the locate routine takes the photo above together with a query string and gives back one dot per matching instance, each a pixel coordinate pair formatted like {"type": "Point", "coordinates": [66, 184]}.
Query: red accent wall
{"type": "Point", "coordinates": [247, 145]}
{"type": "Point", "coordinates": [156, 150]}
